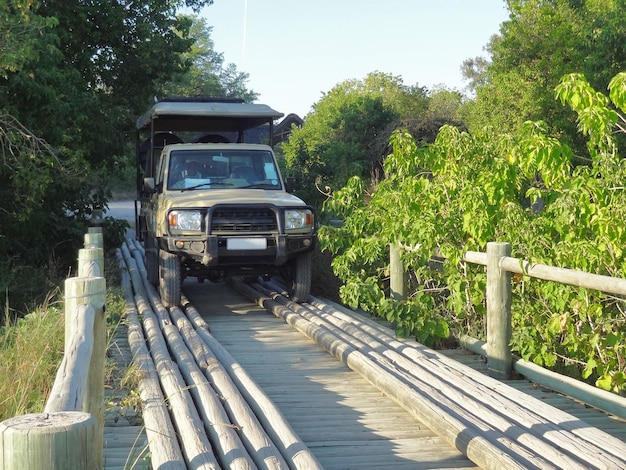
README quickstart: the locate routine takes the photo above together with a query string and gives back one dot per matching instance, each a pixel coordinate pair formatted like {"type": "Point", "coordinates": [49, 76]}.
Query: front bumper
{"type": "Point", "coordinates": [241, 235]}
{"type": "Point", "coordinates": [218, 250]}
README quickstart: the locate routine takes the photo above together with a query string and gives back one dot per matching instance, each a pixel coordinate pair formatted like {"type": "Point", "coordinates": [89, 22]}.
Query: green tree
{"type": "Point", "coordinates": [70, 94]}
{"type": "Point", "coordinates": [207, 74]}
{"type": "Point", "coordinates": [347, 132]}
{"type": "Point", "coordinates": [103, 64]}
{"type": "Point", "coordinates": [38, 237]}
{"type": "Point", "coordinates": [541, 42]}
{"type": "Point", "coordinates": [20, 29]}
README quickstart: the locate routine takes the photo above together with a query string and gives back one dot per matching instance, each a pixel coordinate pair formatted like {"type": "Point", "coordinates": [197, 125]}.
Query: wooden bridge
{"type": "Point", "coordinates": [328, 388]}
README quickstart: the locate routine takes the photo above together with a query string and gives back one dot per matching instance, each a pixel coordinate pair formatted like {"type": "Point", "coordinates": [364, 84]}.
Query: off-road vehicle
{"type": "Point", "coordinates": [211, 199]}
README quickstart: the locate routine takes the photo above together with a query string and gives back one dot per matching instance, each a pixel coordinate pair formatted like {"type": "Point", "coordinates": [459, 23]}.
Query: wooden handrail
{"type": "Point", "coordinates": [572, 277]}
{"type": "Point", "coordinates": [498, 334]}
{"type": "Point", "coordinates": [74, 412]}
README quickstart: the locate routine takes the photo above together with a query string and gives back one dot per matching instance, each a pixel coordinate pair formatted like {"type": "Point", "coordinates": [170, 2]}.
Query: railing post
{"type": "Point", "coordinates": [500, 359]}
{"type": "Point", "coordinates": [94, 238]}
{"type": "Point", "coordinates": [56, 441]}
{"type": "Point", "coordinates": [90, 262]}
{"type": "Point", "coordinates": [397, 275]}
{"type": "Point", "coordinates": [97, 217]}
{"type": "Point", "coordinates": [92, 291]}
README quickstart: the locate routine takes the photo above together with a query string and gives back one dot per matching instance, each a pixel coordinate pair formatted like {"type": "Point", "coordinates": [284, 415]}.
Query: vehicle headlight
{"type": "Point", "coordinates": [189, 221]}
{"type": "Point", "coordinates": [298, 219]}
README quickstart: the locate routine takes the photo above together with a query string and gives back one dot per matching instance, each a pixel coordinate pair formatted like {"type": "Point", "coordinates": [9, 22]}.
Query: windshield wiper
{"type": "Point", "coordinates": [207, 184]}
{"type": "Point", "coordinates": [259, 186]}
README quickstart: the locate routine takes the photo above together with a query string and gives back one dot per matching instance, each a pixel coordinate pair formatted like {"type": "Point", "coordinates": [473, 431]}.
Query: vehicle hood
{"type": "Point", "coordinates": [199, 199]}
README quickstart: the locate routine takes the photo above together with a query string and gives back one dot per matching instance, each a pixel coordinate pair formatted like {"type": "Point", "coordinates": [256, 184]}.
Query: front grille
{"type": "Point", "coordinates": [243, 220]}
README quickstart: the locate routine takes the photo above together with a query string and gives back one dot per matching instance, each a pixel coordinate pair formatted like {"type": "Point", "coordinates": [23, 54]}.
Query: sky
{"type": "Point", "coordinates": [296, 50]}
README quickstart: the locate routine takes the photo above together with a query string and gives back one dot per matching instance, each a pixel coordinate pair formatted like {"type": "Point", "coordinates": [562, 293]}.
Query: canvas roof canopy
{"type": "Point", "coordinates": [206, 115]}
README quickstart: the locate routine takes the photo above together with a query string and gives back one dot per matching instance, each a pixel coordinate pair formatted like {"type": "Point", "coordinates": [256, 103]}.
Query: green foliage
{"type": "Point", "coordinates": [465, 190]}
{"type": "Point", "coordinates": [44, 203]}
{"type": "Point", "coordinates": [541, 42]}
{"type": "Point", "coordinates": [73, 77]}
{"type": "Point", "coordinates": [114, 232]}
{"type": "Point", "coordinates": [207, 75]}
{"type": "Point", "coordinates": [347, 133]}
{"type": "Point", "coordinates": [96, 71]}
{"type": "Point", "coordinates": [20, 27]}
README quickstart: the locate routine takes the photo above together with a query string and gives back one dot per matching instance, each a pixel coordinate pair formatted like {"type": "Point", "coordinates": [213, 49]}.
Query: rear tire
{"type": "Point", "coordinates": [170, 279]}
{"type": "Point", "coordinates": [300, 283]}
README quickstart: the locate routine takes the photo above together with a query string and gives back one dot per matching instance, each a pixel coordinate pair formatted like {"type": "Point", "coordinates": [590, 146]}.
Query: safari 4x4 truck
{"type": "Point", "coordinates": [212, 203]}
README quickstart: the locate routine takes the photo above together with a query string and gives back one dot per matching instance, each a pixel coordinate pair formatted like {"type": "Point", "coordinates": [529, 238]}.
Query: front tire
{"type": "Point", "coordinates": [299, 286]}
{"type": "Point", "coordinates": [170, 279]}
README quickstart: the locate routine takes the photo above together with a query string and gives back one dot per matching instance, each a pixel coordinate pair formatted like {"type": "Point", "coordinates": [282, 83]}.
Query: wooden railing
{"type": "Point", "coordinates": [501, 361]}
{"type": "Point", "coordinates": [69, 433]}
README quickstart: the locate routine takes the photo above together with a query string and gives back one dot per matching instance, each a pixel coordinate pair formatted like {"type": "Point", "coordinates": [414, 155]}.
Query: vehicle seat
{"type": "Point", "coordinates": [245, 173]}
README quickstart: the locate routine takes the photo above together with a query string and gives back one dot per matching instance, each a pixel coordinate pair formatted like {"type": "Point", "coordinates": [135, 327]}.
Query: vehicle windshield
{"type": "Point", "coordinates": [218, 169]}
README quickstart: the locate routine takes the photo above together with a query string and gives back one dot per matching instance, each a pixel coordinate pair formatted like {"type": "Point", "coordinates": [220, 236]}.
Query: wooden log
{"type": "Point", "coordinates": [261, 448]}
{"type": "Point", "coordinates": [93, 238]}
{"type": "Point", "coordinates": [563, 439]}
{"type": "Point", "coordinates": [612, 285]}
{"type": "Point", "coordinates": [291, 446]}
{"type": "Point", "coordinates": [475, 257]}
{"type": "Point", "coordinates": [164, 448]}
{"type": "Point", "coordinates": [78, 291]}
{"type": "Point", "coordinates": [236, 411]}
{"type": "Point", "coordinates": [90, 262]}
{"type": "Point", "coordinates": [472, 441]}
{"type": "Point", "coordinates": [196, 446]}
{"type": "Point", "coordinates": [500, 359]}
{"type": "Point", "coordinates": [598, 398]}
{"type": "Point", "coordinates": [421, 379]}
{"type": "Point", "coordinates": [92, 291]}
{"type": "Point", "coordinates": [572, 277]}
{"type": "Point", "coordinates": [219, 426]}
{"type": "Point", "coordinates": [593, 396]}
{"type": "Point", "coordinates": [71, 384]}
{"type": "Point", "coordinates": [135, 245]}
{"type": "Point", "coordinates": [53, 441]}
{"type": "Point", "coordinates": [133, 271]}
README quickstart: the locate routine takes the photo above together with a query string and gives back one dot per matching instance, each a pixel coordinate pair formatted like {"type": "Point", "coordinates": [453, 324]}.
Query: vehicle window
{"type": "Point", "coordinates": [220, 169]}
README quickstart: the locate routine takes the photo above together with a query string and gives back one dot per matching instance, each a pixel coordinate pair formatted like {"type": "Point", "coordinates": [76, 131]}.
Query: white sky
{"type": "Point", "coordinates": [295, 50]}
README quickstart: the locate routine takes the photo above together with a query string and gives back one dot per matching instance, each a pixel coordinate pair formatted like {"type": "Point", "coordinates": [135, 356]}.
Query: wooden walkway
{"type": "Point", "coordinates": [348, 423]}
{"type": "Point", "coordinates": [344, 420]}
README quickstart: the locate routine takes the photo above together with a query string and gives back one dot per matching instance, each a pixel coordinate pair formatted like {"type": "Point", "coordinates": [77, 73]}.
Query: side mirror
{"type": "Point", "coordinates": [149, 185]}
{"type": "Point", "coordinates": [290, 183]}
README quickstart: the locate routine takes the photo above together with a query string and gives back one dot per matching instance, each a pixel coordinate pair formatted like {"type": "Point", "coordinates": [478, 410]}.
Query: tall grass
{"type": "Point", "coordinates": [31, 350]}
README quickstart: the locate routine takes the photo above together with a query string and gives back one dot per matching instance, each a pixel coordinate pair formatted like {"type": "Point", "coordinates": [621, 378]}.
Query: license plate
{"type": "Point", "coordinates": [246, 244]}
